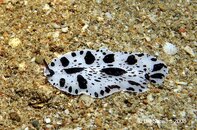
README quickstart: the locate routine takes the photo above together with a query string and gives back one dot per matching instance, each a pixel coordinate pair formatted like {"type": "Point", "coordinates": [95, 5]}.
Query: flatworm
{"type": "Point", "coordinates": [100, 73]}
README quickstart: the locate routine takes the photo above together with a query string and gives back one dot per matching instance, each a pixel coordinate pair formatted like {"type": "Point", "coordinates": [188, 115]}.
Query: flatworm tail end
{"type": "Point", "coordinates": [158, 73]}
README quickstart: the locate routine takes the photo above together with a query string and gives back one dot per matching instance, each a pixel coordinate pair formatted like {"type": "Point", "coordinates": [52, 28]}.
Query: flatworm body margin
{"type": "Point", "coordinates": [103, 72]}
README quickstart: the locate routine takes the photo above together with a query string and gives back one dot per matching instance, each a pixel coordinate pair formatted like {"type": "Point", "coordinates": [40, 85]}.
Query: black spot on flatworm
{"type": "Point", "coordinates": [73, 70]}
{"type": "Point", "coordinates": [153, 81]}
{"type": "Point", "coordinates": [64, 61]}
{"type": "Point", "coordinates": [89, 58]}
{"type": "Point", "coordinates": [113, 71]}
{"type": "Point", "coordinates": [109, 58]}
{"type": "Point", "coordinates": [107, 90]}
{"type": "Point", "coordinates": [51, 73]}
{"type": "Point", "coordinates": [82, 82]}
{"type": "Point", "coordinates": [52, 64]}
{"type": "Point", "coordinates": [73, 54]}
{"type": "Point", "coordinates": [96, 94]}
{"type": "Point", "coordinates": [140, 55]}
{"type": "Point", "coordinates": [131, 89]}
{"type": "Point", "coordinates": [134, 83]}
{"type": "Point", "coordinates": [159, 66]}
{"type": "Point", "coordinates": [102, 92]}
{"type": "Point", "coordinates": [114, 86]}
{"type": "Point", "coordinates": [153, 59]}
{"type": "Point", "coordinates": [81, 52]}
{"type": "Point", "coordinates": [62, 82]}
{"type": "Point", "coordinates": [97, 80]}
{"type": "Point", "coordinates": [157, 76]}
{"type": "Point", "coordinates": [76, 91]}
{"type": "Point", "coordinates": [131, 60]}
{"type": "Point", "coordinates": [147, 76]}
{"type": "Point", "coordinates": [70, 89]}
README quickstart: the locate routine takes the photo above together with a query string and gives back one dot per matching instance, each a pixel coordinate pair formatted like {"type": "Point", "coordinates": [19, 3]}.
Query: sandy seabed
{"type": "Point", "coordinates": [31, 31]}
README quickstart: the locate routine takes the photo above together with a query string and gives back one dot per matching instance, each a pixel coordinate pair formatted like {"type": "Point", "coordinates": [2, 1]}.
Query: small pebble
{"type": "Point", "coordinates": [66, 111]}
{"type": "Point", "coordinates": [65, 29]}
{"type": "Point", "coordinates": [110, 111]}
{"type": "Point", "coordinates": [39, 59]}
{"type": "Point", "coordinates": [55, 25]}
{"type": "Point", "coordinates": [105, 105]}
{"type": "Point", "coordinates": [148, 39]}
{"type": "Point", "coordinates": [150, 98]}
{"type": "Point", "coordinates": [77, 128]}
{"type": "Point", "coordinates": [14, 116]}
{"type": "Point", "coordinates": [190, 51]}
{"type": "Point", "coordinates": [26, 128]}
{"type": "Point", "coordinates": [100, 19]}
{"type": "Point", "coordinates": [178, 89]}
{"type": "Point", "coordinates": [108, 15]}
{"type": "Point", "coordinates": [98, 122]}
{"type": "Point", "coordinates": [162, 7]}
{"type": "Point", "coordinates": [59, 122]}
{"type": "Point", "coordinates": [35, 124]}
{"type": "Point", "coordinates": [74, 116]}
{"type": "Point", "coordinates": [22, 66]}
{"type": "Point", "coordinates": [98, 1]}
{"type": "Point", "coordinates": [85, 27]}
{"type": "Point", "coordinates": [195, 43]}
{"type": "Point", "coordinates": [183, 113]}
{"type": "Point", "coordinates": [46, 7]}
{"type": "Point", "coordinates": [152, 18]}
{"type": "Point", "coordinates": [87, 100]}
{"type": "Point", "coordinates": [170, 49]}
{"type": "Point", "coordinates": [49, 127]}
{"type": "Point", "coordinates": [1, 118]}
{"type": "Point", "coordinates": [14, 42]}
{"type": "Point", "coordinates": [56, 34]}
{"type": "Point", "coordinates": [47, 120]}
{"type": "Point", "coordinates": [89, 44]}
{"type": "Point", "coordinates": [181, 83]}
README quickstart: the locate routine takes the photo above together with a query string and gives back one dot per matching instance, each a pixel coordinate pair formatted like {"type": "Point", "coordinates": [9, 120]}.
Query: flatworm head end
{"type": "Point", "coordinates": [48, 72]}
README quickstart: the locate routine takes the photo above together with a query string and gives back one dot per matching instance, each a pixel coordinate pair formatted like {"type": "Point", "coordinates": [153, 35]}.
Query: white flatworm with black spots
{"type": "Point", "coordinates": [100, 73]}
